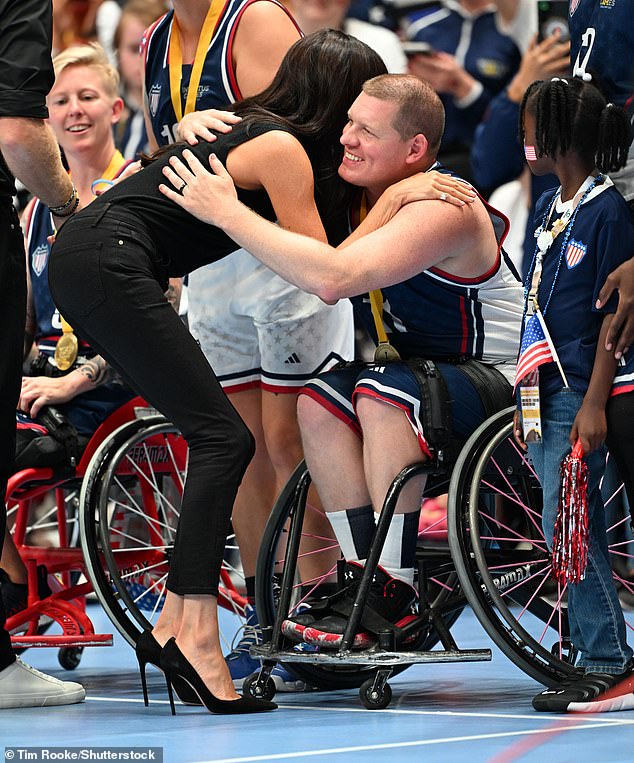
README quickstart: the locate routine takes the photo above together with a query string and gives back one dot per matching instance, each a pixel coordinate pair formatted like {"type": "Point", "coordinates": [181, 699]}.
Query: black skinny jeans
{"type": "Point", "coordinates": [107, 282]}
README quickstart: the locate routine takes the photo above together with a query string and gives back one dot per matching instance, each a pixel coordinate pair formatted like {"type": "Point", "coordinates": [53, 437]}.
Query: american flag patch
{"type": "Point", "coordinates": [575, 252]}
{"type": "Point", "coordinates": [573, 6]}
{"type": "Point", "coordinates": [530, 153]}
{"type": "Point", "coordinates": [38, 260]}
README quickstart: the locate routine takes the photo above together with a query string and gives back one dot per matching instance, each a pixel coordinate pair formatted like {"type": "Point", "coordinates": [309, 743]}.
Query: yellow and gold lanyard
{"type": "Point", "coordinates": [384, 352]}
{"type": "Point", "coordinates": [175, 56]}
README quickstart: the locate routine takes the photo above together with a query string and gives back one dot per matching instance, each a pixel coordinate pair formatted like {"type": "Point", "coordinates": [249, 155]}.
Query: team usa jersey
{"type": "Point", "coordinates": [218, 86]}
{"type": "Point", "coordinates": [440, 316]}
{"type": "Point", "coordinates": [602, 41]}
{"type": "Point", "coordinates": [601, 238]}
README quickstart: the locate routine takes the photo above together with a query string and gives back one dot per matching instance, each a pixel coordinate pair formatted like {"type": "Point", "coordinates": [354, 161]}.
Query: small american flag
{"type": "Point", "coordinates": [530, 153]}
{"type": "Point", "coordinates": [536, 349]}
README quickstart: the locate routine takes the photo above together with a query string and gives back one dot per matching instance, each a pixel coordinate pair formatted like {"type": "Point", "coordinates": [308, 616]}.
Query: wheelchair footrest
{"type": "Point", "coordinates": [370, 657]}
{"type": "Point", "coordinates": [86, 639]}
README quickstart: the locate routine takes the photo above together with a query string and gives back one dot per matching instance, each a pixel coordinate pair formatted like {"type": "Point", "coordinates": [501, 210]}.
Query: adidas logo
{"type": "Point", "coordinates": [294, 358]}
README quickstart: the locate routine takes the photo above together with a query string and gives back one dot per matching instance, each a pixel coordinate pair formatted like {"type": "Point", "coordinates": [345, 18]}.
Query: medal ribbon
{"type": "Point", "coordinates": [376, 296]}
{"type": "Point", "coordinates": [175, 58]}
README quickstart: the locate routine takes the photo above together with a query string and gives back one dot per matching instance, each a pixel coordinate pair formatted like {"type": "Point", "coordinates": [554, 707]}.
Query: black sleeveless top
{"type": "Point", "coordinates": [183, 242]}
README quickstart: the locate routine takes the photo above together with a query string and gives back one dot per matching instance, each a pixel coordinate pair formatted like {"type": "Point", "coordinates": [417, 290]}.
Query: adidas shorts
{"type": "Point", "coordinates": [396, 385]}
{"type": "Point", "coordinates": [256, 329]}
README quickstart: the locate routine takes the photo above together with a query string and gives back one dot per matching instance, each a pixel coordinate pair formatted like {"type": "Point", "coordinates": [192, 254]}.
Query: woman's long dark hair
{"type": "Point", "coordinates": [571, 114]}
{"type": "Point", "coordinates": [318, 79]}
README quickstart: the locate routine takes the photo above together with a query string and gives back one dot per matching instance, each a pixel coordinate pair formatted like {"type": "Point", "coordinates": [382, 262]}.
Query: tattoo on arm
{"type": "Point", "coordinates": [96, 370]}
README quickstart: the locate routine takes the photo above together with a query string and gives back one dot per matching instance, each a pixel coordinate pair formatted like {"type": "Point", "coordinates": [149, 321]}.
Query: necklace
{"type": "Point", "coordinates": [545, 237]}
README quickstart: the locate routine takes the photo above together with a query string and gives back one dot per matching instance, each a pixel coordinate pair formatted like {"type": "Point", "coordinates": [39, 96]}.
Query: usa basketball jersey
{"type": "Point", "coordinates": [601, 41]}
{"type": "Point", "coordinates": [601, 238]}
{"type": "Point", "coordinates": [441, 316]}
{"type": "Point", "coordinates": [218, 86]}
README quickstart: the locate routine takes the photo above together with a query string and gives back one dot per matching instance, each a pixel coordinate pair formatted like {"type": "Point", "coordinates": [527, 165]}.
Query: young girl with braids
{"type": "Point", "coordinates": [584, 230]}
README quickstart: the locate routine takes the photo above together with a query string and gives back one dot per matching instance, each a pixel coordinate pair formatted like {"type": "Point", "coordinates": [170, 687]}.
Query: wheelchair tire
{"type": "Point", "coordinates": [501, 555]}
{"type": "Point", "coordinates": [273, 540]}
{"type": "Point", "coordinates": [130, 504]}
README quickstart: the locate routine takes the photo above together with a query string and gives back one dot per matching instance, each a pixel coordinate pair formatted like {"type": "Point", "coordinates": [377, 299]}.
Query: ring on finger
{"type": "Point", "coordinates": [443, 196]}
{"type": "Point", "coordinates": [183, 187]}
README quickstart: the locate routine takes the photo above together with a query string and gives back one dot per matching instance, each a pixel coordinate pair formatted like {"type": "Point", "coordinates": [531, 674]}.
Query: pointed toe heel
{"type": "Point", "coordinates": [176, 666]}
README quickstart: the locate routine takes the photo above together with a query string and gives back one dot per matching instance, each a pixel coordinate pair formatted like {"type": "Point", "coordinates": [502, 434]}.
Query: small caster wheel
{"type": "Point", "coordinates": [264, 689]}
{"type": "Point", "coordinates": [374, 699]}
{"type": "Point", "coordinates": [70, 656]}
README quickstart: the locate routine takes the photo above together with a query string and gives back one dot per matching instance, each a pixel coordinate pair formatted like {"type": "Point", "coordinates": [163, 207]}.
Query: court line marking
{"type": "Point", "coordinates": [573, 717]}
{"type": "Point", "coordinates": [397, 745]}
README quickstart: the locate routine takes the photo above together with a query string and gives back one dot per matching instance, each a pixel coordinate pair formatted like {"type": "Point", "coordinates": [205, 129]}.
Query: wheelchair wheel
{"type": "Point", "coordinates": [501, 556]}
{"type": "Point", "coordinates": [130, 505]}
{"type": "Point", "coordinates": [317, 566]}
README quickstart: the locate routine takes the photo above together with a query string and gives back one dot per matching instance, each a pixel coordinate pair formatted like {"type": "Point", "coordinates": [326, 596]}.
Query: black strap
{"type": "Point", "coordinates": [61, 429]}
{"type": "Point", "coordinates": [492, 387]}
{"type": "Point", "coordinates": [435, 405]}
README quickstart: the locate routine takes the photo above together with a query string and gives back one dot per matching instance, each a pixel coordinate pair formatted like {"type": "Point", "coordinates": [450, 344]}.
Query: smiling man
{"type": "Point", "coordinates": [449, 295]}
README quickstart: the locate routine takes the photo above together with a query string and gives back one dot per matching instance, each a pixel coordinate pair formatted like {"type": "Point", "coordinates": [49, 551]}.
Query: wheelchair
{"type": "Point", "coordinates": [495, 560]}
{"type": "Point", "coordinates": [114, 518]}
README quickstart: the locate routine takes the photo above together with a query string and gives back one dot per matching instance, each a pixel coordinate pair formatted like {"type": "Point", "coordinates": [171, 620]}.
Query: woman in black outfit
{"type": "Point", "coordinates": [108, 273]}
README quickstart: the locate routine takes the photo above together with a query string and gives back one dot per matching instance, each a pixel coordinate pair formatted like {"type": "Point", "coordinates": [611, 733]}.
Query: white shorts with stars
{"type": "Point", "coordinates": [257, 330]}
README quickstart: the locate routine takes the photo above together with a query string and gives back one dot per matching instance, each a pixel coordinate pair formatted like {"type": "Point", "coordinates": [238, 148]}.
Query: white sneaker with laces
{"type": "Point", "coordinates": [24, 686]}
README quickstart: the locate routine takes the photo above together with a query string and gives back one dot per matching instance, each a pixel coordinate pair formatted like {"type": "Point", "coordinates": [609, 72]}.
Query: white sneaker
{"type": "Point", "coordinates": [24, 686]}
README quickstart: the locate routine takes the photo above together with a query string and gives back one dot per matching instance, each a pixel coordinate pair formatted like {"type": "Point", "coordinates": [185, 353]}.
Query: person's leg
{"type": "Point", "coordinates": [620, 440]}
{"type": "Point", "coordinates": [12, 320]}
{"type": "Point", "coordinates": [128, 320]}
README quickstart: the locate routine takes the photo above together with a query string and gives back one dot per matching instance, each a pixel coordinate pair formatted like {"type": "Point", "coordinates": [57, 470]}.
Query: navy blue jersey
{"type": "Point", "coordinates": [602, 237]}
{"type": "Point", "coordinates": [218, 86]}
{"type": "Point", "coordinates": [602, 41]}
{"type": "Point", "coordinates": [489, 56]}
{"type": "Point", "coordinates": [438, 315]}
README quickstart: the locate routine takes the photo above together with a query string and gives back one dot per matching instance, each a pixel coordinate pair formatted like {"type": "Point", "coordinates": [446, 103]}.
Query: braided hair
{"type": "Point", "coordinates": [573, 114]}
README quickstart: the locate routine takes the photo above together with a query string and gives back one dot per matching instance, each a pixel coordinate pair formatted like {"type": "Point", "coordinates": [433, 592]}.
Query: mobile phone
{"type": "Point", "coordinates": [552, 15]}
{"type": "Point", "coordinates": [412, 48]}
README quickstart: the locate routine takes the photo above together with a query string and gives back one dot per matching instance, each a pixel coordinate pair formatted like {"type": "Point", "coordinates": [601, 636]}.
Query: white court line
{"type": "Point", "coordinates": [397, 745]}
{"type": "Point", "coordinates": [573, 717]}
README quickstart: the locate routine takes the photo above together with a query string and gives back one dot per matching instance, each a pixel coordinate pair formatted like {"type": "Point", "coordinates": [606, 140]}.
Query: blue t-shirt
{"type": "Point", "coordinates": [601, 238]}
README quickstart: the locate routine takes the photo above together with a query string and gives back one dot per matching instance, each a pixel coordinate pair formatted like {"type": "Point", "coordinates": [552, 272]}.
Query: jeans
{"type": "Point", "coordinates": [597, 626]}
{"type": "Point", "coordinates": [108, 283]}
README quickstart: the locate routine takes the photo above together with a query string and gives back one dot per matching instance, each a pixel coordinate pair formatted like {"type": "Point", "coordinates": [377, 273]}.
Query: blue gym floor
{"type": "Point", "coordinates": [470, 712]}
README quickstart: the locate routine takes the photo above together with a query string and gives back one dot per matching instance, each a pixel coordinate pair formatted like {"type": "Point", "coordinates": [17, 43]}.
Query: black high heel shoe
{"type": "Point", "coordinates": [176, 666]}
{"type": "Point", "coordinates": [148, 650]}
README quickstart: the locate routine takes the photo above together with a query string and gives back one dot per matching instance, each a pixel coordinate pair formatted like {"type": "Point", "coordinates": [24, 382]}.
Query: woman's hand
{"type": "Point", "coordinates": [204, 124]}
{"type": "Point", "coordinates": [209, 196]}
{"type": "Point", "coordinates": [590, 426]}
{"type": "Point", "coordinates": [518, 431]}
{"type": "Point", "coordinates": [38, 391]}
{"type": "Point", "coordinates": [621, 331]}
{"type": "Point", "coordinates": [423, 186]}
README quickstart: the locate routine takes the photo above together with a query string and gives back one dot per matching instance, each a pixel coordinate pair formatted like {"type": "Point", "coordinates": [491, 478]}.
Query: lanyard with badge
{"type": "Point", "coordinates": [175, 57]}
{"type": "Point", "coordinates": [529, 383]}
{"type": "Point", "coordinates": [67, 347]}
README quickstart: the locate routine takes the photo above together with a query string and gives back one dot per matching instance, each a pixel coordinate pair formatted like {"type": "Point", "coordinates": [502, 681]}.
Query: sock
{"type": "Point", "coordinates": [353, 529]}
{"type": "Point", "coordinates": [399, 550]}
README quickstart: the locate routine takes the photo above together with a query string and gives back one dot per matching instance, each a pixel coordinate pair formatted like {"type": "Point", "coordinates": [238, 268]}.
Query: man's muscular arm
{"type": "Point", "coordinates": [31, 153]}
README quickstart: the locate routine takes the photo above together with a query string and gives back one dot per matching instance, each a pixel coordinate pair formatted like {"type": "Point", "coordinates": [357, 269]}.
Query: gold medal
{"type": "Point", "coordinates": [385, 353]}
{"type": "Point", "coordinates": [66, 348]}
{"type": "Point", "coordinates": [66, 351]}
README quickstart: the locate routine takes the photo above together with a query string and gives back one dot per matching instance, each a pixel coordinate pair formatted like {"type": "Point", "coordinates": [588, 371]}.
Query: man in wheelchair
{"type": "Point", "coordinates": [450, 305]}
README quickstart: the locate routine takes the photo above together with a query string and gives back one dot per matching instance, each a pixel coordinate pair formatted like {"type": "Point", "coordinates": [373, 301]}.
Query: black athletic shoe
{"type": "Point", "coordinates": [15, 596]}
{"type": "Point", "coordinates": [390, 605]}
{"type": "Point", "coordinates": [589, 693]}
